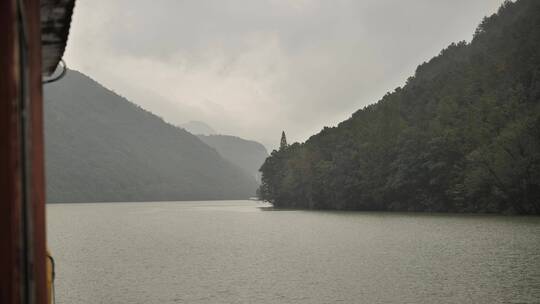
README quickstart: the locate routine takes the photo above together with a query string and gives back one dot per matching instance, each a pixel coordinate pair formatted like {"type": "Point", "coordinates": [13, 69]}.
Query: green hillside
{"type": "Point", "coordinates": [462, 135]}
{"type": "Point", "coordinates": [102, 147]}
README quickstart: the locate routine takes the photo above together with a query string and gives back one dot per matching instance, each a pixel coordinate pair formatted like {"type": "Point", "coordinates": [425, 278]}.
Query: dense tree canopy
{"type": "Point", "coordinates": [463, 134]}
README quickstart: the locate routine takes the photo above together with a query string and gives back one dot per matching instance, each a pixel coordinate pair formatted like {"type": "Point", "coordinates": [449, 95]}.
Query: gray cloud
{"type": "Point", "coordinates": [252, 68]}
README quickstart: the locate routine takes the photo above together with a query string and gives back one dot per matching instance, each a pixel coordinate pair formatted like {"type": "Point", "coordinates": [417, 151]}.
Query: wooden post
{"type": "Point", "coordinates": [10, 170]}
{"type": "Point", "coordinates": [22, 238]}
{"type": "Point", "coordinates": [35, 143]}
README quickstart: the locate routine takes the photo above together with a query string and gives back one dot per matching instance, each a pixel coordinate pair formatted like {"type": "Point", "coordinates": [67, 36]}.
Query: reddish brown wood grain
{"type": "Point", "coordinates": [35, 142]}
{"type": "Point", "coordinates": [11, 262]}
{"type": "Point", "coordinates": [10, 174]}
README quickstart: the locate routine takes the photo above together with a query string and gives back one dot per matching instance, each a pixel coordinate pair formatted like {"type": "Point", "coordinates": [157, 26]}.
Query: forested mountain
{"type": "Point", "coordinates": [102, 147]}
{"type": "Point", "coordinates": [246, 154]}
{"type": "Point", "coordinates": [463, 134]}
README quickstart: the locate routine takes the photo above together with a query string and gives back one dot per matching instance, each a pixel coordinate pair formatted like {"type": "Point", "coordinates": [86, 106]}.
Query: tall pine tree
{"type": "Point", "coordinates": [283, 143]}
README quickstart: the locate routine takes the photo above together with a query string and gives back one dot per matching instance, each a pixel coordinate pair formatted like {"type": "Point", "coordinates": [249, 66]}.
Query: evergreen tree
{"type": "Point", "coordinates": [283, 144]}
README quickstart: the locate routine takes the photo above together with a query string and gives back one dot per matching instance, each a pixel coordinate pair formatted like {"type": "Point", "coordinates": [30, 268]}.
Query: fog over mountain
{"type": "Point", "coordinates": [255, 68]}
{"type": "Point", "coordinates": [102, 147]}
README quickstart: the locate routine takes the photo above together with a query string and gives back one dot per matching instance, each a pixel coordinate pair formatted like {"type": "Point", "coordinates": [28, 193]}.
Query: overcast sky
{"type": "Point", "coordinates": [253, 68]}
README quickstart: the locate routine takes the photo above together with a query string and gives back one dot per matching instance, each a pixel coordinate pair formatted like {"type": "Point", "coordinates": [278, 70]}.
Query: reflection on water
{"type": "Point", "coordinates": [234, 252]}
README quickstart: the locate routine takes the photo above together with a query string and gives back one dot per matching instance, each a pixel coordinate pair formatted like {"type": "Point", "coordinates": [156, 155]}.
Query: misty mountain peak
{"type": "Point", "coordinates": [198, 128]}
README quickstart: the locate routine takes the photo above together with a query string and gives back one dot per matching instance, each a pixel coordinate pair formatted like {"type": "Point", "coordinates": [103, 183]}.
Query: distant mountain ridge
{"type": "Point", "coordinates": [246, 154]}
{"type": "Point", "coordinates": [102, 147]}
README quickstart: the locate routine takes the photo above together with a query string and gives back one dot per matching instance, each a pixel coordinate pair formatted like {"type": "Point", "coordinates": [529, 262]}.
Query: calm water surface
{"type": "Point", "coordinates": [235, 252]}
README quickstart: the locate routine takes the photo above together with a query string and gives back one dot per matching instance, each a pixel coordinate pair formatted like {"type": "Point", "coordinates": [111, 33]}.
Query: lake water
{"type": "Point", "coordinates": [236, 252]}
